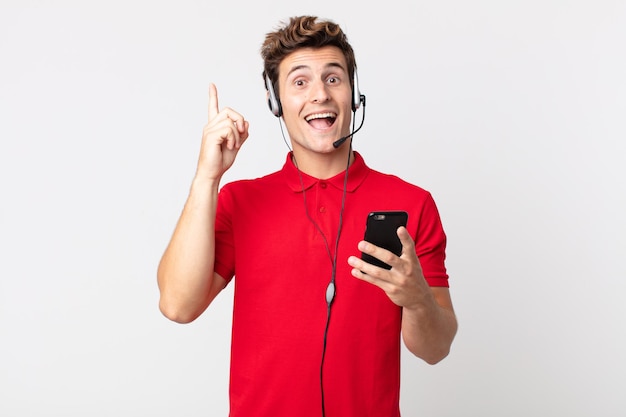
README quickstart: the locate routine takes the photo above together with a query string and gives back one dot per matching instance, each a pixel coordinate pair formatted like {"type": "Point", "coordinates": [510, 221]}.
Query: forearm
{"type": "Point", "coordinates": [185, 274]}
{"type": "Point", "coordinates": [428, 329]}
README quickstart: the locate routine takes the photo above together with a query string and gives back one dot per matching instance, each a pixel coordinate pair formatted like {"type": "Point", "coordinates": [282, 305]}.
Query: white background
{"type": "Point", "coordinates": [512, 113]}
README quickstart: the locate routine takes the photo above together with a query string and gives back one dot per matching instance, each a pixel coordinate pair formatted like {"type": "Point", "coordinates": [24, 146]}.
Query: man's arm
{"type": "Point", "coordinates": [428, 328]}
{"type": "Point", "coordinates": [186, 278]}
{"type": "Point", "coordinates": [428, 320]}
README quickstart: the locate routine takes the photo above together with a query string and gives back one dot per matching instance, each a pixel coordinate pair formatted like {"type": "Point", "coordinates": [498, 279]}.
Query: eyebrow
{"type": "Point", "coordinates": [327, 66]}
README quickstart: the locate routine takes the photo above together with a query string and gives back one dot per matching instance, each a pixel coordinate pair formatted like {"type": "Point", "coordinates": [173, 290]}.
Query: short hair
{"type": "Point", "coordinates": [303, 32]}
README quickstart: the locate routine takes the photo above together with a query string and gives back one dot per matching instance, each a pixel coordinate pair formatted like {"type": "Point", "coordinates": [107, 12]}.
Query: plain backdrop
{"type": "Point", "coordinates": [512, 113]}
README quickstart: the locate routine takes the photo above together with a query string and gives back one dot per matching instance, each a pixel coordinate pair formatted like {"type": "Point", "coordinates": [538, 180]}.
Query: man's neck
{"type": "Point", "coordinates": [323, 166]}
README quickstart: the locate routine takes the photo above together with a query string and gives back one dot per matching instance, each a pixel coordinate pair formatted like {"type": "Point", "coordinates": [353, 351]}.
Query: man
{"type": "Point", "coordinates": [316, 330]}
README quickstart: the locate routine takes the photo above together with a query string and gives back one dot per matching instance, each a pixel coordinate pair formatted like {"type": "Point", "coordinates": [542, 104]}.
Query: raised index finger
{"type": "Point", "coordinates": [213, 106]}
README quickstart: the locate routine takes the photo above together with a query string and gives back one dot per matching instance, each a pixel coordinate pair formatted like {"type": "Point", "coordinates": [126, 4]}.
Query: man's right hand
{"type": "Point", "coordinates": [222, 138]}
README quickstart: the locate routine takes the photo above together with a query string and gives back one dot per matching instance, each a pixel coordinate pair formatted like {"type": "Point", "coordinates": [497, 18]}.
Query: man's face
{"type": "Point", "coordinates": [316, 95]}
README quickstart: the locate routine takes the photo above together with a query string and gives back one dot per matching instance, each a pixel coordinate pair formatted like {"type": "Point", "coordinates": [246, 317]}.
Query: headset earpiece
{"type": "Point", "coordinates": [272, 100]}
{"type": "Point", "coordinates": [357, 98]}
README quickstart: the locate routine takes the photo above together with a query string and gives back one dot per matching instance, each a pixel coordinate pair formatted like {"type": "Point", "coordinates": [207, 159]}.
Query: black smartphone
{"type": "Point", "coordinates": [381, 230]}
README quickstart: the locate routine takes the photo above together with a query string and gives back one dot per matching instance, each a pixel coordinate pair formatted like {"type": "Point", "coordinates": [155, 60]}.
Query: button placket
{"type": "Point", "coordinates": [323, 185]}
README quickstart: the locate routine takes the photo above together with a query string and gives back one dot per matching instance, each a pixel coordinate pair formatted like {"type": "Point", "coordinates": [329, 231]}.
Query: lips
{"type": "Point", "coordinates": [321, 120]}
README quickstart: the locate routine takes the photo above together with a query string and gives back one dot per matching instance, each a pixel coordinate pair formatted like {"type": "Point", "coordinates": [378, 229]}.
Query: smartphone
{"type": "Point", "coordinates": [381, 230]}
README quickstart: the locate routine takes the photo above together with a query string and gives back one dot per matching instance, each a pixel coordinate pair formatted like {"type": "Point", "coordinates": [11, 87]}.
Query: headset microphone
{"type": "Point", "coordinates": [340, 141]}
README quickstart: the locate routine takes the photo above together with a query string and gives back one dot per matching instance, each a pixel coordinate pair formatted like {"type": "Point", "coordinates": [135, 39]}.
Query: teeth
{"type": "Point", "coordinates": [320, 116]}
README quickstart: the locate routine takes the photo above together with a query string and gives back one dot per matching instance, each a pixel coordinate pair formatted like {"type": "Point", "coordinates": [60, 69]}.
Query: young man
{"type": "Point", "coordinates": [316, 330]}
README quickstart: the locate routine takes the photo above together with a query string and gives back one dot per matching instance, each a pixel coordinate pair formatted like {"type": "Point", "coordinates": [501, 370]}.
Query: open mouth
{"type": "Point", "coordinates": [321, 120]}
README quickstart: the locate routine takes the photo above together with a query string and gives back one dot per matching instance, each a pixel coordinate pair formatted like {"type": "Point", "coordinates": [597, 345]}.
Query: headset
{"type": "Point", "coordinates": [275, 106]}
{"type": "Point", "coordinates": [277, 109]}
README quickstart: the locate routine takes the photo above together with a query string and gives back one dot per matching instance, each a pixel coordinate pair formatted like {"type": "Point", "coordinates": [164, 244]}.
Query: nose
{"type": "Point", "coordinates": [319, 92]}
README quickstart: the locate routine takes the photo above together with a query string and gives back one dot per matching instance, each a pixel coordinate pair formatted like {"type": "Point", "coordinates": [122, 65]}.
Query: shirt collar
{"type": "Point", "coordinates": [298, 181]}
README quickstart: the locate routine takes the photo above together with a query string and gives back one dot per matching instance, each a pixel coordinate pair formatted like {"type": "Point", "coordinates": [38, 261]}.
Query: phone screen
{"type": "Point", "coordinates": [381, 230]}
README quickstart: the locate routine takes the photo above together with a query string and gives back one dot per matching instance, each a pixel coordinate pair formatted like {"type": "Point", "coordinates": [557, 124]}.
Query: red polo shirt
{"type": "Point", "coordinates": [281, 263]}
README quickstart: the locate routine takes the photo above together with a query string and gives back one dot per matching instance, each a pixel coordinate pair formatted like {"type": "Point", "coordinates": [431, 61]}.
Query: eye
{"type": "Point", "coordinates": [332, 80]}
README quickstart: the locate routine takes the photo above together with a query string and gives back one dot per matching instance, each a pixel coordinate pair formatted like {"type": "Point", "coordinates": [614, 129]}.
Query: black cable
{"type": "Point", "coordinates": [331, 288]}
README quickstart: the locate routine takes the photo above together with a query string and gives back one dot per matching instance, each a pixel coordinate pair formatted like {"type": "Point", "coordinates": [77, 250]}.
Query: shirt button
{"type": "Point", "coordinates": [322, 209]}
{"type": "Point", "coordinates": [323, 185]}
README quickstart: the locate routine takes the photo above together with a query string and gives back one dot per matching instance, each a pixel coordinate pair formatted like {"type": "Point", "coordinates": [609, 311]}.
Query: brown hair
{"type": "Point", "coordinates": [303, 32]}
